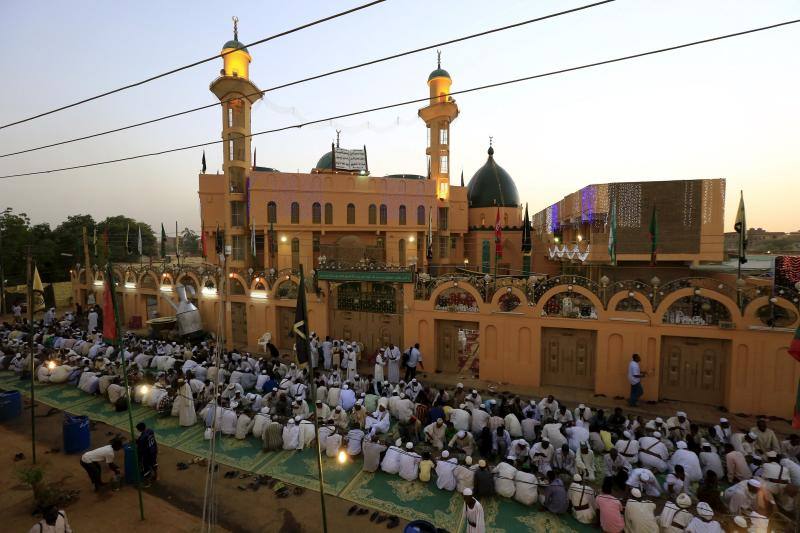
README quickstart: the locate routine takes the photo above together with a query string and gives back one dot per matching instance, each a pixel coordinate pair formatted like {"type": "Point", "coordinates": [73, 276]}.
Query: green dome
{"type": "Point", "coordinates": [235, 44]}
{"type": "Point", "coordinates": [326, 161]}
{"type": "Point", "coordinates": [439, 73]}
{"type": "Point", "coordinates": [492, 186]}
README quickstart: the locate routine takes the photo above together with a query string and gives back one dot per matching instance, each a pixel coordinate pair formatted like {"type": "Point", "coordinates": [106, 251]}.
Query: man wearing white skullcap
{"type": "Point", "coordinates": [473, 513]}
{"type": "Point", "coordinates": [722, 432]}
{"type": "Point", "coordinates": [434, 433]}
{"type": "Point", "coordinates": [675, 516]}
{"type": "Point", "coordinates": [704, 521]}
{"type": "Point", "coordinates": [445, 466]}
{"type": "Point", "coordinates": [688, 460]}
{"type": "Point", "coordinates": [748, 494]}
{"type": "Point", "coordinates": [465, 475]}
{"type": "Point", "coordinates": [391, 460]}
{"type": "Point", "coordinates": [409, 463]}
{"type": "Point", "coordinates": [653, 453]}
{"type": "Point", "coordinates": [645, 481]}
{"type": "Point", "coordinates": [464, 441]}
{"type": "Point", "coordinates": [639, 515]}
{"type": "Point", "coordinates": [581, 496]}
{"type": "Point", "coordinates": [678, 426]}
{"type": "Point", "coordinates": [628, 447]}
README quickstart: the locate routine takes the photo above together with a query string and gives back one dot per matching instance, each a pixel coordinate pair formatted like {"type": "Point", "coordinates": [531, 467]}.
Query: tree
{"type": "Point", "coordinates": [14, 230]}
{"type": "Point", "coordinates": [190, 242]}
{"type": "Point", "coordinates": [118, 227]}
{"type": "Point", "coordinates": [68, 237]}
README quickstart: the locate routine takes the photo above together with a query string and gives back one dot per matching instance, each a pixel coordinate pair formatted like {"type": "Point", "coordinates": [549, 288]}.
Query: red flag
{"type": "Point", "coordinates": [498, 236]}
{"type": "Point", "coordinates": [794, 347]}
{"type": "Point", "coordinates": [109, 319]}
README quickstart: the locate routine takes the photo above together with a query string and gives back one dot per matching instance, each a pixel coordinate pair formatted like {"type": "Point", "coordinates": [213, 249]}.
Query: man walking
{"type": "Point", "coordinates": [414, 359]}
{"type": "Point", "coordinates": [635, 376]}
{"type": "Point", "coordinates": [148, 452]}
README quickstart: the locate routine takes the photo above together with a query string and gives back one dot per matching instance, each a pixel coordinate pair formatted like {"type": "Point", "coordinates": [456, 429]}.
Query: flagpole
{"type": "Point", "coordinates": [121, 354]}
{"type": "Point", "coordinates": [314, 399]}
{"type": "Point", "coordinates": [30, 353]}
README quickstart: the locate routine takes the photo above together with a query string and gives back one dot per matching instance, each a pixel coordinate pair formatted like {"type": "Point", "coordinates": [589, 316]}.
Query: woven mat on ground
{"type": "Point", "coordinates": [386, 493]}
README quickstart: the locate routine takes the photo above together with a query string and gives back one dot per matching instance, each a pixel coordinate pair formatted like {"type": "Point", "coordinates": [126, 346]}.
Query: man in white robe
{"type": "Point", "coordinates": [628, 447]}
{"type": "Point", "coordinates": [393, 363]}
{"type": "Point", "coordinates": [409, 463]}
{"type": "Point", "coordinates": [640, 515]}
{"type": "Point", "coordinates": [704, 521]}
{"type": "Point", "coordinates": [675, 516]}
{"type": "Point", "coordinates": [260, 420]}
{"type": "Point", "coordinates": [473, 513]}
{"type": "Point", "coordinates": [688, 460]}
{"type": "Point", "coordinates": [244, 424]}
{"type": "Point", "coordinates": [391, 460]}
{"type": "Point", "coordinates": [645, 481]}
{"type": "Point", "coordinates": [445, 467]}
{"type": "Point", "coordinates": [653, 453]}
{"type": "Point", "coordinates": [291, 435]}
{"type": "Point", "coordinates": [355, 441]}
{"type": "Point", "coordinates": [581, 497]}
{"type": "Point", "coordinates": [115, 393]}
{"type": "Point", "coordinates": [380, 362]}
{"type": "Point", "coordinates": [460, 418]}
{"type": "Point", "coordinates": [463, 441]}
{"type": "Point", "coordinates": [227, 421]}
{"type": "Point", "coordinates": [306, 433]}
{"type": "Point", "coordinates": [183, 405]}
{"type": "Point", "coordinates": [434, 433]}
{"type": "Point", "coordinates": [584, 462]}
{"type": "Point", "coordinates": [378, 421]}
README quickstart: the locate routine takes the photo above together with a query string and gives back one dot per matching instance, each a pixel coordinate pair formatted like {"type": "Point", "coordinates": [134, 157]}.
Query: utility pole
{"type": "Point", "coordinates": [2, 278]}
{"type": "Point", "coordinates": [88, 261]}
{"type": "Point", "coordinates": [30, 353]}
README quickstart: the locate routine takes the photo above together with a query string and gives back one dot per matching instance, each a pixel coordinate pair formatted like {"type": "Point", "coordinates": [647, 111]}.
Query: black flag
{"type": "Point", "coordinates": [300, 327]}
{"type": "Point", "coordinates": [204, 161]}
{"type": "Point", "coordinates": [219, 245]}
{"type": "Point", "coordinates": [527, 245]}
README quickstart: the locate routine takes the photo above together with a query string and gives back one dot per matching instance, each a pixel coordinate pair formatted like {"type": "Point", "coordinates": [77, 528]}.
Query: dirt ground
{"type": "Point", "coordinates": [173, 504]}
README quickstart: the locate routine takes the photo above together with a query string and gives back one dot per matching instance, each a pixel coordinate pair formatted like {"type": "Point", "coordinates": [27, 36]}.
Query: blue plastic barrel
{"type": "Point", "coordinates": [419, 526]}
{"type": "Point", "coordinates": [77, 437]}
{"type": "Point", "coordinates": [131, 469]}
{"type": "Point", "coordinates": [10, 405]}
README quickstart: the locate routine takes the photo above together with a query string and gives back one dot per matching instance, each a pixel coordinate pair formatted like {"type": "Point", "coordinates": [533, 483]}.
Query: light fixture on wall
{"type": "Point", "coordinates": [283, 238]}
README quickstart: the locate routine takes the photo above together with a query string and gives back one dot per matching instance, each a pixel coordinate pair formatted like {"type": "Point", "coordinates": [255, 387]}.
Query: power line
{"type": "Point", "coordinates": [196, 63]}
{"type": "Point", "coordinates": [414, 101]}
{"type": "Point", "coordinates": [312, 78]}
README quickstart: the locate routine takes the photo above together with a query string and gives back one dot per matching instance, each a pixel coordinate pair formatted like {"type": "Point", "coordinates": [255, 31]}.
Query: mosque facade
{"type": "Point", "coordinates": [408, 258]}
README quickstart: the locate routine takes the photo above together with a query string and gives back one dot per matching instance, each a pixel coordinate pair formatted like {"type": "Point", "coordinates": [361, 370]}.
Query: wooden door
{"type": "Point", "coordinates": [568, 357]}
{"type": "Point", "coordinates": [239, 324]}
{"type": "Point", "coordinates": [693, 369]}
{"type": "Point", "coordinates": [285, 336]}
{"type": "Point", "coordinates": [450, 357]}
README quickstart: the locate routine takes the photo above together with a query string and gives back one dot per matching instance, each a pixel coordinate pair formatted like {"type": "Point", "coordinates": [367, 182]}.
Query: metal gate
{"type": "Point", "coordinates": [568, 357]}
{"type": "Point", "coordinates": [693, 369]}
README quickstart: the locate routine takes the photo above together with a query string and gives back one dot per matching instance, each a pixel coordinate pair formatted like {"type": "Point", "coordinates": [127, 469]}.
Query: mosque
{"type": "Point", "coordinates": [487, 290]}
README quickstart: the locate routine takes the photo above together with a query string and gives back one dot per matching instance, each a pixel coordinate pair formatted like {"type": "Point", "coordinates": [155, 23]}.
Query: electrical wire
{"type": "Point", "coordinates": [414, 101]}
{"type": "Point", "coordinates": [194, 64]}
{"type": "Point", "coordinates": [311, 78]}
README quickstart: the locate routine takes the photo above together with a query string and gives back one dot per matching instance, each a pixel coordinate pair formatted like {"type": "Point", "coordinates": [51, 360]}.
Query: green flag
{"type": "Point", "coordinates": [163, 242]}
{"type": "Point", "coordinates": [741, 228]}
{"type": "Point", "coordinates": [653, 236]}
{"type": "Point", "coordinates": [612, 232]}
{"type": "Point", "coordinates": [300, 326]}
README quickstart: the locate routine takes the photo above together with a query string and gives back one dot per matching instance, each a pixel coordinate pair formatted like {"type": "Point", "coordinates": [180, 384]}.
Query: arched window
{"type": "Point", "coordinates": [401, 215]}
{"type": "Point", "coordinates": [316, 213]}
{"type": "Point", "coordinates": [373, 214]}
{"type": "Point", "coordinates": [295, 213]}
{"type": "Point", "coordinates": [384, 215]}
{"type": "Point", "coordinates": [295, 254]}
{"type": "Point", "coordinates": [272, 212]}
{"type": "Point", "coordinates": [351, 214]}
{"type": "Point", "coordinates": [421, 215]}
{"type": "Point", "coordinates": [329, 213]}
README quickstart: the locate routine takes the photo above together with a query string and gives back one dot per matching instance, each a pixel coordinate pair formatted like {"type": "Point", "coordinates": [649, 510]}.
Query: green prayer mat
{"type": "Point", "coordinates": [412, 500]}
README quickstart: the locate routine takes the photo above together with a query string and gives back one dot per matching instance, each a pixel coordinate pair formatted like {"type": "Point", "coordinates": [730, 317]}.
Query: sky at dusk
{"type": "Point", "coordinates": [723, 110]}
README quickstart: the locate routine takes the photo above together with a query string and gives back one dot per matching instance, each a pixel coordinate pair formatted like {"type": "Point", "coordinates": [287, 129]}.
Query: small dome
{"type": "Point", "coordinates": [235, 44]}
{"type": "Point", "coordinates": [326, 161]}
{"type": "Point", "coordinates": [439, 73]}
{"type": "Point", "coordinates": [492, 186]}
